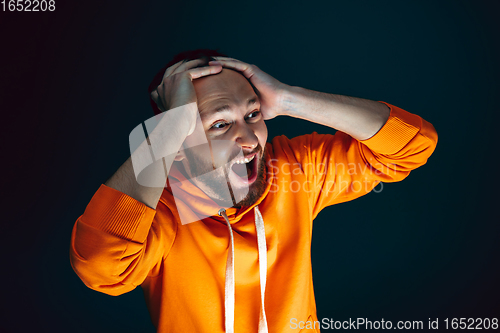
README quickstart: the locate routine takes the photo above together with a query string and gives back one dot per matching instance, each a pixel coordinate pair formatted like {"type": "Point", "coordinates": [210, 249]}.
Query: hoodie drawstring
{"type": "Point", "coordinates": [229, 297]}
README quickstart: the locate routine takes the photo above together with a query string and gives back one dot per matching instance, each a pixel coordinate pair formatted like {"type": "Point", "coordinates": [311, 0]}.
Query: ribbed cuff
{"type": "Point", "coordinates": [400, 128]}
{"type": "Point", "coordinates": [118, 214]}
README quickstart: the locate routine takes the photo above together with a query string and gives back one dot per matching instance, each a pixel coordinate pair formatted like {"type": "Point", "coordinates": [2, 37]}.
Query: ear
{"type": "Point", "coordinates": [180, 155]}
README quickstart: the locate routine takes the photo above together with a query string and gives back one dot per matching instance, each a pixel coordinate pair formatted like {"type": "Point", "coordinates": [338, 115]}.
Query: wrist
{"type": "Point", "coordinates": [290, 101]}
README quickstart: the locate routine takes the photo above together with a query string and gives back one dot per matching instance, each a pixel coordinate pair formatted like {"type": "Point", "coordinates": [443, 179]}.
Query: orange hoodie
{"type": "Point", "coordinates": [120, 243]}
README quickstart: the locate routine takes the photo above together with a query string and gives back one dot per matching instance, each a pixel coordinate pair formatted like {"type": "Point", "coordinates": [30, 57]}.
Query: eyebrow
{"type": "Point", "coordinates": [226, 107]}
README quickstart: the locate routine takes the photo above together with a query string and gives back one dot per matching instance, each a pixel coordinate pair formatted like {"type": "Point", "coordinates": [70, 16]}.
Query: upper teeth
{"type": "Point", "coordinates": [245, 160]}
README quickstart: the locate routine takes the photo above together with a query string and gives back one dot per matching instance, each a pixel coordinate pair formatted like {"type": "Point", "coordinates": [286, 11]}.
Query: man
{"type": "Point", "coordinates": [230, 252]}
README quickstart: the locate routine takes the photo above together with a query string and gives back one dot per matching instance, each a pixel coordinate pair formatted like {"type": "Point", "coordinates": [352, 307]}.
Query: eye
{"type": "Point", "coordinates": [219, 125]}
{"type": "Point", "coordinates": [254, 114]}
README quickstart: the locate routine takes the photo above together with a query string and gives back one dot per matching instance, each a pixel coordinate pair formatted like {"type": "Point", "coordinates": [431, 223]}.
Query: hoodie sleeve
{"type": "Point", "coordinates": [117, 242]}
{"type": "Point", "coordinates": [341, 168]}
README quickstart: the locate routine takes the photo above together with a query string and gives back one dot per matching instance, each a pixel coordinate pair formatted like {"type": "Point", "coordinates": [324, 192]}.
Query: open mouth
{"type": "Point", "coordinates": [246, 169]}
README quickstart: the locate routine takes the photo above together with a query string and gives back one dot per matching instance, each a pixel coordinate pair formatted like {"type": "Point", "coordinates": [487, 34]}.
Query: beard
{"type": "Point", "coordinates": [218, 182]}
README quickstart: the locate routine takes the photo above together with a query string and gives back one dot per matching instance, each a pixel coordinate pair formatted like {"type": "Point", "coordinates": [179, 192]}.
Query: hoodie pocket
{"type": "Point", "coordinates": [311, 326]}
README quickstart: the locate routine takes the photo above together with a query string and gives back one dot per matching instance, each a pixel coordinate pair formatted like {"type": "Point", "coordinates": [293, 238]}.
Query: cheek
{"type": "Point", "coordinates": [200, 154]}
{"type": "Point", "coordinates": [221, 151]}
{"type": "Point", "coordinates": [197, 138]}
{"type": "Point", "coordinates": [261, 133]}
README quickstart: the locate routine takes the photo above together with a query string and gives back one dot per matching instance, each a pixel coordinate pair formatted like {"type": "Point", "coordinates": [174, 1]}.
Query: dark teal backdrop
{"type": "Point", "coordinates": [74, 84]}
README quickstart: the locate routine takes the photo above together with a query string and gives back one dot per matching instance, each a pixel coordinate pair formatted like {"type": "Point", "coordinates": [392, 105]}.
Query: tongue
{"type": "Point", "coordinates": [241, 170]}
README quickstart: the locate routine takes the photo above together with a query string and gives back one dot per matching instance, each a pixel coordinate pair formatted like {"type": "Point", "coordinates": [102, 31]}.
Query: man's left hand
{"type": "Point", "coordinates": [271, 92]}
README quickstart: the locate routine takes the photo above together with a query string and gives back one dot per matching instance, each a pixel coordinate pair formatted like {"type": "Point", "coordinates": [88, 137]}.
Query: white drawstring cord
{"type": "Point", "coordinates": [261, 244]}
{"type": "Point", "coordinates": [229, 298]}
{"type": "Point", "coordinates": [229, 284]}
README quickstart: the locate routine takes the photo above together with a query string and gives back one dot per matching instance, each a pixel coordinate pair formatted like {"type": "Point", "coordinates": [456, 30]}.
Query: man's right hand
{"type": "Point", "coordinates": [177, 89]}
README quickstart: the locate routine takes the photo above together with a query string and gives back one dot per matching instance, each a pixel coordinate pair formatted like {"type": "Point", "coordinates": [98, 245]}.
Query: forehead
{"type": "Point", "coordinates": [226, 88]}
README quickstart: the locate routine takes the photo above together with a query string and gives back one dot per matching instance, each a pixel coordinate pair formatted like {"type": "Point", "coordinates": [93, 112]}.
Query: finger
{"type": "Point", "coordinates": [155, 96]}
{"type": "Point", "coordinates": [232, 62]}
{"type": "Point", "coordinates": [245, 68]}
{"type": "Point", "coordinates": [181, 66]}
{"type": "Point", "coordinates": [188, 65]}
{"type": "Point", "coordinates": [169, 70]}
{"type": "Point", "coordinates": [204, 71]}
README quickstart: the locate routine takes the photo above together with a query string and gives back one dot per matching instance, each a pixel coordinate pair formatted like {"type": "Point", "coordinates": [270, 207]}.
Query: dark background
{"type": "Point", "coordinates": [74, 84]}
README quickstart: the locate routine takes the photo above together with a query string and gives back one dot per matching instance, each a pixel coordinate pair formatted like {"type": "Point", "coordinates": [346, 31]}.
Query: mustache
{"type": "Point", "coordinates": [235, 154]}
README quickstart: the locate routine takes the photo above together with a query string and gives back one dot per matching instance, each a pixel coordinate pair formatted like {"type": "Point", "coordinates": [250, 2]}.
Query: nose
{"type": "Point", "coordinates": [246, 138]}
